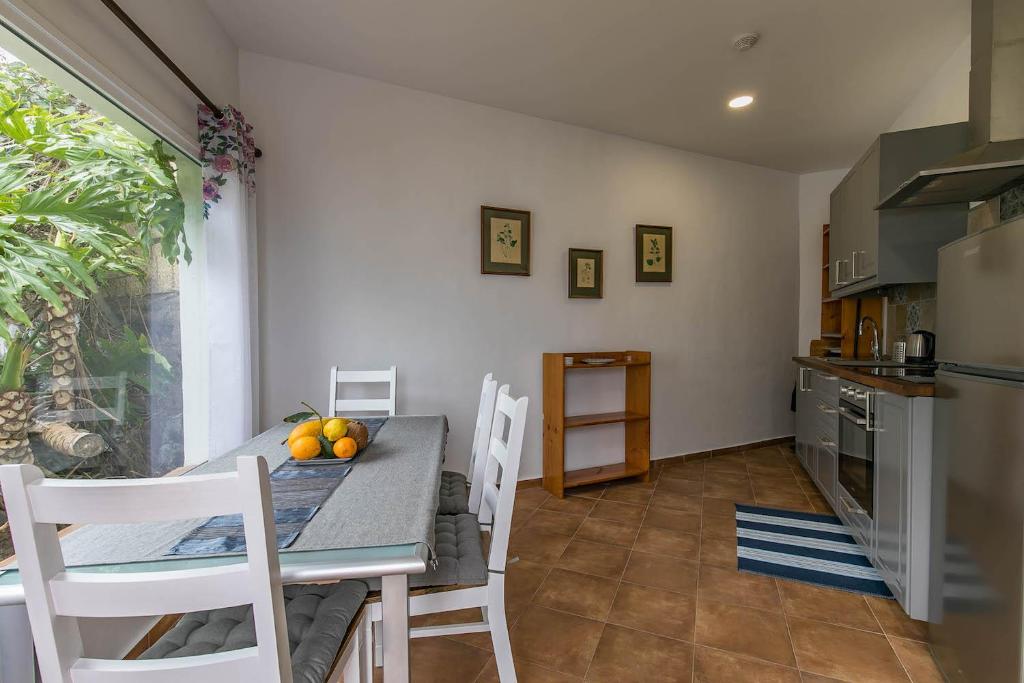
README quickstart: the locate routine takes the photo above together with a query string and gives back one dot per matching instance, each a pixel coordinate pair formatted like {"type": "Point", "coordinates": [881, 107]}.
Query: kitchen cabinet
{"type": "Point", "coordinates": [805, 420]}
{"type": "Point", "coordinates": [816, 428]}
{"type": "Point", "coordinates": [871, 248]}
{"type": "Point", "coordinates": [892, 456]}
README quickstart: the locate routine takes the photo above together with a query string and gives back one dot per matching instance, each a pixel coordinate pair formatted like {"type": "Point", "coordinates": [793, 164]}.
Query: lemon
{"type": "Point", "coordinates": [335, 428]}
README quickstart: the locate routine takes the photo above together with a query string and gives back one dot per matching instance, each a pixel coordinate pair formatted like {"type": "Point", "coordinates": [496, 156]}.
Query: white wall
{"type": "Point", "coordinates": [942, 99]}
{"type": "Point", "coordinates": [184, 29]}
{"type": "Point", "coordinates": [369, 240]}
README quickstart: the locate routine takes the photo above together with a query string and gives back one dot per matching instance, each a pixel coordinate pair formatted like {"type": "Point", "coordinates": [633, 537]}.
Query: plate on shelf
{"type": "Point", "coordinates": [597, 361]}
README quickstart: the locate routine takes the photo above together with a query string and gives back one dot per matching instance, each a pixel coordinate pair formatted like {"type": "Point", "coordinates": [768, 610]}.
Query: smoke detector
{"type": "Point", "coordinates": [746, 41]}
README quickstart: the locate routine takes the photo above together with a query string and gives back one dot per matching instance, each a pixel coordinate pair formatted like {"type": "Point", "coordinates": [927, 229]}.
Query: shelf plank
{"type": "Point", "coordinates": [597, 475]}
{"type": "Point", "coordinates": [573, 421]}
{"type": "Point", "coordinates": [616, 364]}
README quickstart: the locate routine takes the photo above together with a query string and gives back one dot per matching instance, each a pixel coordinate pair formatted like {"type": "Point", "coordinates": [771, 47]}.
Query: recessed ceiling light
{"type": "Point", "coordinates": [741, 101]}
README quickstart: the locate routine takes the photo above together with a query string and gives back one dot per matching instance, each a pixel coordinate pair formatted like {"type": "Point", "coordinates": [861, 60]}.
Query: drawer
{"type": "Point", "coordinates": [826, 418]}
{"type": "Point", "coordinates": [858, 522]}
{"type": "Point", "coordinates": [825, 386]}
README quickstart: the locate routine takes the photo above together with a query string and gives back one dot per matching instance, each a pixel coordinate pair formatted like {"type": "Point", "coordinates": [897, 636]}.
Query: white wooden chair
{"type": "Point", "coordinates": [56, 599]}
{"type": "Point", "coordinates": [497, 497]}
{"type": "Point", "coordinates": [344, 406]}
{"type": "Point", "coordinates": [458, 494]}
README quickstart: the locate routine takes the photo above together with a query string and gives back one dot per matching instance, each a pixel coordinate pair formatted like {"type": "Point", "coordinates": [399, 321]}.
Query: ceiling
{"type": "Point", "coordinates": [828, 75]}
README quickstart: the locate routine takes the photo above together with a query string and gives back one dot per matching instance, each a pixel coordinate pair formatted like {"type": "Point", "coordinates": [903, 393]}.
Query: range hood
{"type": "Point", "coordinates": [995, 161]}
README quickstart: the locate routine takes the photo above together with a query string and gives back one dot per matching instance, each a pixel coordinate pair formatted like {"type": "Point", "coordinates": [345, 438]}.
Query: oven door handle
{"type": "Point", "coordinates": [852, 417]}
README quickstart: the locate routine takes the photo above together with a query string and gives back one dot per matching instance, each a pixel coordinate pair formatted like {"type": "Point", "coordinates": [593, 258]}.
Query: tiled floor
{"type": "Point", "coordinates": [638, 582]}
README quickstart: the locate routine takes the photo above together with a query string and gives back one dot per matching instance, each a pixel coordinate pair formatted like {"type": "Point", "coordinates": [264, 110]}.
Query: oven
{"type": "Point", "coordinates": [857, 446]}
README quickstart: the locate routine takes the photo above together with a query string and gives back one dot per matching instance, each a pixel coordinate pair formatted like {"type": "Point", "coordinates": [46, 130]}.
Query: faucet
{"type": "Point", "coordinates": [876, 348]}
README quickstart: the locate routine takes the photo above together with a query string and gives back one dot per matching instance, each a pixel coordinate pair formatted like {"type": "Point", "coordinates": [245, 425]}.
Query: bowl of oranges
{"type": "Point", "coordinates": [315, 436]}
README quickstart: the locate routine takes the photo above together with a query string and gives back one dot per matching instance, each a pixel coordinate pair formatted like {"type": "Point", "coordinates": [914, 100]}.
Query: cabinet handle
{"type": "Point", "coordinates": [857, 510]}
{"type": "Point", "coordinates": [825, 408]}
{"type": "Point", "coordinates": [870, 425]}
{"type": "Point", "coordinates": [827, 378]}
{"type": "Point", "coordinates": [853, 265]}
{"type": "Point", "coordinates": [826, 442]}
{"type": "Point", "coordinates": [838, 272]}
{"type": "Point", "coordinates": [803, 379]}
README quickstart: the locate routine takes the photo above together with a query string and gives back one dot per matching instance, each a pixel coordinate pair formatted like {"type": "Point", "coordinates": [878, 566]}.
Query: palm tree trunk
{"type": "Point", "coordinates": [62, 331]}
{"type": "Point", "coordinates": [14, 411]}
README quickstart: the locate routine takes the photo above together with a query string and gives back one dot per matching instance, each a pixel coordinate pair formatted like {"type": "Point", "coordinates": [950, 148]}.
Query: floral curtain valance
{"type": "Point", "coordinates": [226, 146]}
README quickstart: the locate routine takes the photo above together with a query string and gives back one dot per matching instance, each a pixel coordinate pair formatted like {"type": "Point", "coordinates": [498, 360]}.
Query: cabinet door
{"type": "Point", "coordinates": [828, 463]}
{"type": "Point", "coordinates": [892, 454]}
{"type": "Point", "coordinates": [864, 251]}
{"type": "Point", "coordinates": [839, 229]}
{"type": "Point", "coordinates": [805, 419]}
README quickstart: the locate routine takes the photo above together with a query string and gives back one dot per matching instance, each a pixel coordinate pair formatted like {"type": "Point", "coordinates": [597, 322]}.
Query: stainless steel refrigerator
{"type": "Point", "coordinates": [978, 549]}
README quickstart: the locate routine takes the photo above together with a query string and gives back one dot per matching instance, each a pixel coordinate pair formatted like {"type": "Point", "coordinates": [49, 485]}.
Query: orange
{"type": "Point", "coordinates": [345, 447]}
{"type": "Point", "coordinates": [305, 447]}
{"type": "Point", "coordinates": [309, 428]}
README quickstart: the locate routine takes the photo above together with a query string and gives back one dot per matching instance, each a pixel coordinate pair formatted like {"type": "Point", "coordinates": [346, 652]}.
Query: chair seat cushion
{"type": "Point", "coordinates": [460, 555]}
{"type": "Point", "coordinates": [453, 496]}
{"type": "Point", "coordinates": [318, 618]}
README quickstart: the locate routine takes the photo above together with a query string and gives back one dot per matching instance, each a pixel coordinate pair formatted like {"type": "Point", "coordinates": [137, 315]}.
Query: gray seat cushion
{"type": "Point", "coordinates": [460, 555]}
{"type": "Point", "coordinates": [453, 496]}
{"type": "Point", "coordinates": [318, 617]}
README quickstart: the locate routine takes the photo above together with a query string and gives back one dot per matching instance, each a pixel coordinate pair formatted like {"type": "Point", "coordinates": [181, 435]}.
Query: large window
{"type": "Point", "coordinates": [92, 243]}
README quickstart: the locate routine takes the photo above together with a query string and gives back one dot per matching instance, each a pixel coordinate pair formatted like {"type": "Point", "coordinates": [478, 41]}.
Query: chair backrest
{"type": "Point", "coordinates": [481, 439]}
{"type": "Point", "coordinates": [501, 474]}
{"type": "Point", "coordinates": [339, 406]}
{"type": "Point", "coordinates": [56, 599]}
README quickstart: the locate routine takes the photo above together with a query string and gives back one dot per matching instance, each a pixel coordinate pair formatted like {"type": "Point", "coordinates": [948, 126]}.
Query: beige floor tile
{"type": "Point", "coordinates": [597, 559]}
{"type": "Point", "coordinates": [739, 491]}
{"type": "Point", "coordinates": [722, 507]}
{"type": "Point", "coordinates": [844, 653]}
{"type": "Point", "coordinates": [687, 487]}
{"type": "Point", "coordinates": [527, 672]}
{"type": "Point", "coordinates": [553, 523]}
{"type": "Point", "coordinates": [714, 526]}
{"type": "Point", "coordinates": [654, 610]}
{"type": "Point", "coordinates": [607, 531]}
{"type": "Point", "coordinates": [895, 621]}
{"type": "Point", "coordinates": [627, 655]}
{"type": "Point", "coordinates": [825, 604]}
{"type": "Point", "coordinates": [582, 594]}
{"type": "Point", "coordinates": [716, 666]}
{"type": "Point", "coordinates": [692, 471]}
{"type": "Point", "coordinates": [618, 512]}
{"type": "Point", "coordinates": [738, 588]}
{"type": "Point", "coordinates": [720, 552]}
{"type": "Point", "coordinates": [661, 572]}
{"type": "Point", "coordinates": [745, 631]}
{"type": "Point", "coordinates": [677, 501]}
{"type": "Point", "coordinates": [917, 660]}
{"type": "Point", "coordinates": [442, 660]}
{"type": "Point", "coordinates": [677, 520]}
{"type": "Point", "coordinates": [570, 505]}
{"type": "Point", "coordinates": [522, 579]}
{"type": "Point", "coordinates": [727, 476]}
{"type": "Point", "coordinates": [784, 501]}
{"type": "Point", "coordinates": [668, 542]}
{"type": "Point", "coordinates": [629, 494]}
{"type": "Point", "coordinates": [555, 640]}
{"type": "Point", "coordinates": [537, 546]}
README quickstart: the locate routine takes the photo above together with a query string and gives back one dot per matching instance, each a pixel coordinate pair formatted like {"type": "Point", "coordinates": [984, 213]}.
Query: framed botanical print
{"type": "Point", "coordinates": [586, 274]}
{"type": "Point", "coordinates": [653, 253]}
{"type": "Point", "coordinates": [504, 241]}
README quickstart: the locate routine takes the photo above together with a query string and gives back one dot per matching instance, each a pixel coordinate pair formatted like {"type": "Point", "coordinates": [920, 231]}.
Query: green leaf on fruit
{"type": "Point", "coordinates": [300, 417]}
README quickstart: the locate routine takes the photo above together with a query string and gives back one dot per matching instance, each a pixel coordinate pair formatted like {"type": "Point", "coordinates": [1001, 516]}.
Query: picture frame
{"type": "Point", "coordinates": [653, 253]}
{"type": "Point", "coordinates": [586, 274]}
{"type": "Point", "coordinates": [504, 241]}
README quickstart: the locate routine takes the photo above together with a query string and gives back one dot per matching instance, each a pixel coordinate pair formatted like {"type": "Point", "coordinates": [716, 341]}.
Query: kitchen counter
{"type": "Point", "coordinates": [862, 375]}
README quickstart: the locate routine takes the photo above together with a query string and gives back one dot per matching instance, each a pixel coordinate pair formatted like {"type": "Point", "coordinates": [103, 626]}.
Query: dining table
{"type": "Point", "coordinates": [377, 523]}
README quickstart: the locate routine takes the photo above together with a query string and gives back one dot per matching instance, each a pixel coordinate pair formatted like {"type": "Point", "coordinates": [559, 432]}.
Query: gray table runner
{"type": "Point", "coordinates": [390, 498]}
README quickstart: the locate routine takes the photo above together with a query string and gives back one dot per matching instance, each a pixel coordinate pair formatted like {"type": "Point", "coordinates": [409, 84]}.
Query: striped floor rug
{"type": "Point", "coordinates": [804, 547]}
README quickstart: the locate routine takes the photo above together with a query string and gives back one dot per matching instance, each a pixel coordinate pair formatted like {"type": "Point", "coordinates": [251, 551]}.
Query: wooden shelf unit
{"type": "Point", "coordinates": [839, 316]}
{"type": "Point", "coordinates": [636, 418]}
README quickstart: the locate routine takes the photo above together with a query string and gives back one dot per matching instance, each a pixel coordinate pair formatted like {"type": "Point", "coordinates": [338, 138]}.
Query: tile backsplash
{"type": "Point", "coordinates": [910, 308]}
{"type": "Point", "coordinates": [1011, 203]}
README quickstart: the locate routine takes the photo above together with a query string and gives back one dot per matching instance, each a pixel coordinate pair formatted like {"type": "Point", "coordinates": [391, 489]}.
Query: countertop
{"type": "Point", "coordinates": [893, 385]}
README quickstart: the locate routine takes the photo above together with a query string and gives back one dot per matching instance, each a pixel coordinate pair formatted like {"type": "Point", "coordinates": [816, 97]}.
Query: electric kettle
{"type": "Point", "coordinates": [920, 347]}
